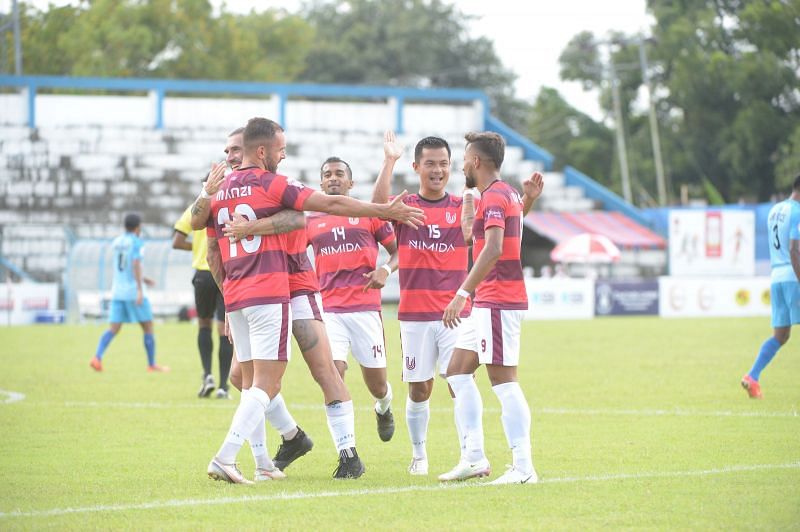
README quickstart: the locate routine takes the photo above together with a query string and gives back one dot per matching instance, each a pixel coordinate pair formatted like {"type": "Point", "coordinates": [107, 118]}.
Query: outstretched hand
{"type": "Point", "coordinates": [215, 178]}
{"type": "Point", "coordinates": [533, 186]}
{"type": "Point", "coordinates": [397, 210]}
{"type": "Point", "coordinates": [391, 148]}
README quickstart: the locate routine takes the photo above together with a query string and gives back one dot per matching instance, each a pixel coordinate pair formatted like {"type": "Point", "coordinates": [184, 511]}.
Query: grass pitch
{"type": "Point", "coordinates": [637, 423]}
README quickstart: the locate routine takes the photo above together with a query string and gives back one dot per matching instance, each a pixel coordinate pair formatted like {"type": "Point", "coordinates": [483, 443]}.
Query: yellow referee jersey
{"type": "Point", "coordinates": [199, 240]}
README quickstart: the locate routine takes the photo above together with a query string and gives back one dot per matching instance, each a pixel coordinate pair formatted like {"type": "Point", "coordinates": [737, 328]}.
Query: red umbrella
{"type": "Point", "coordinates": [587, 248]}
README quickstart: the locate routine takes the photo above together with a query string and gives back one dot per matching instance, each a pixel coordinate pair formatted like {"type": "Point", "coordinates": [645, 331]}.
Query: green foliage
{"type": "Point", "coordinates": [163, 38]}
{"type": "Point", "coordinates": [788, 166]}
{"type": "Point", "coordinates": [632, 429]}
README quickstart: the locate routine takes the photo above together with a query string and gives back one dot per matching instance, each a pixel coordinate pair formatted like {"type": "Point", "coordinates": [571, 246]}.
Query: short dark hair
{"type": "Point", "coordinates": [432, 143]}
{"type": "Point", "coordinates": [490, 144]}
{"type": "Point", "coordinates": [132, 221]}
{"type": "Point", "coordinates": [259, 131]}
{"type": "Point", "coordinates": [796, 185]}
{"type": "Point", "coordinates": [236, 131]}
{"type": "Point", "coordinates": [335, 159]}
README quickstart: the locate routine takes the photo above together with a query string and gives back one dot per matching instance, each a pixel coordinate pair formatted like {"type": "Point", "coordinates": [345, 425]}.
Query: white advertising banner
{"type": "Point", "coordinates": [684, 298]}
{"type": "Point", "coordinates": [21, 303]}
{"type": "Point", "coordinates": [712, 243]}
{"type": "Point", "coordinates": [556, 298]}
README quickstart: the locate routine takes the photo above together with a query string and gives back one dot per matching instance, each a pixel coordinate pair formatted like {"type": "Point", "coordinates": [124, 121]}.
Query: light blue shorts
{"type": "Point", "coordinates": [785, 299]}
{"type": "Point", "coordinates": [129, 312]}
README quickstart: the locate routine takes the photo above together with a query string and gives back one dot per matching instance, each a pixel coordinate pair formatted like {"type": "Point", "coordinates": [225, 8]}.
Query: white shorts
{"type": "Point", "coordinates": [307, 307]}
{"type": "Point", "coordinates": [492, 333]}
{"type": "Point", "coordinates": [261, 332]}
{"type": "Point", "coordinates": [426, 343]}
{"type": "Point", "coordinates": [359, 332]}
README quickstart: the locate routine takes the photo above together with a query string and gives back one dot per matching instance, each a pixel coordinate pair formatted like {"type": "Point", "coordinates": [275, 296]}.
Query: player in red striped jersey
{"type": "Point", "coordinates": [432, 263]}
{"type": "Point", "coordinates": [491, 335]}
{"type": "Point", "coordinates": [256, 285]}
{"type": "Point", "coordinates": [345, 254]}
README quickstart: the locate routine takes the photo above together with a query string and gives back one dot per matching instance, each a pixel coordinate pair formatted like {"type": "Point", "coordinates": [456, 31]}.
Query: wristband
{"type": "Point", "coordinates": [387, 268]}
{"type": "Point", "coordinates": [463, 293]}
{"type": "Point", "coordinates": [204, 194]}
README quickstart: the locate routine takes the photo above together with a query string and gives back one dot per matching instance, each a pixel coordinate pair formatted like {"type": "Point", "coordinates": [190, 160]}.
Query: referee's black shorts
{"type": "Point", "coordinates": [207, 297]}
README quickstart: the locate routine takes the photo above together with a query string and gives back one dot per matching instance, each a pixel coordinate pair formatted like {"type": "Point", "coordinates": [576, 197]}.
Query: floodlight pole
{"type": "Point", "coordinates": [655, 139]}
{"type": "Point", "coordinates": [620, 132]}
{"type": "Point", "coordinates": [17, 39]}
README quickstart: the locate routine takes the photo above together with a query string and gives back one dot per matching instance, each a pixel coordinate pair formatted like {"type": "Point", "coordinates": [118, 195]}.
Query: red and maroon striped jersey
{"type": "Point", "coordinates": [302, 279]}
{"type": "Point", "coordinates": [432, 259]}
{"type": "Point", "coordinates": [344, 250]}
{"type": "Point", "coordinates": [503, 288]}
{"type": "Point", "coordinates": [256, 268]}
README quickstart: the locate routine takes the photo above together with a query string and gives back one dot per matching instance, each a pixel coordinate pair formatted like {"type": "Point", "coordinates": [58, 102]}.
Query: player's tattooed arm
{"type": "Point", "coordinates": [532, 189]}
{"type": "Point", "coordinates": [214, 258]}
{"type": "Point", "coordinates": [201, 208]}
{"type": "Point", "coordinates": [392, 151]}
{"type": "Point", "coordinates": [279, 223]}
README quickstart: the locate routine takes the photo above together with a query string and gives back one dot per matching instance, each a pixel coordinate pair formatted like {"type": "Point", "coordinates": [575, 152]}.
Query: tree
{"type": "Point", "coordinates": [421, 43]}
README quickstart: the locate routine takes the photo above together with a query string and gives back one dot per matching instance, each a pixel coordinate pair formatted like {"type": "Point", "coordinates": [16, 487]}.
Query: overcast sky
{"type": "Point", "coordinates": [528, 35]}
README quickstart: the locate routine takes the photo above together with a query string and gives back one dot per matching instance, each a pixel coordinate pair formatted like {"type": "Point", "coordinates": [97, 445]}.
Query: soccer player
{"type": "Point", "coordinates": [491, 335]}
{"type": "Point", "coordinates": [432, 262]}
{"type": "Point", "coordinates": [346, 252]}
{"type": "Point", "coordinates": [783, 224]}
{"type": "Point", "coordinates": [208, 302]}
{"type": "Point", "coordinates": [256, 289]}
{"type": "Point", "coordinates": [128, 301]}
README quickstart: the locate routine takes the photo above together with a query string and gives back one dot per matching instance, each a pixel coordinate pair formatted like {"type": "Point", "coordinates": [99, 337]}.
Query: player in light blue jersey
{"type": "Point", "coordinates": [128, 301]}
{"type": "Point", "coordinates": [784, 256]}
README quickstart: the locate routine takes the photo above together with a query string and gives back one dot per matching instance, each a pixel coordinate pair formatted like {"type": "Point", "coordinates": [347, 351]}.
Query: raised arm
{"type": "Point", "coordinates": [532, 189]}
{"type": "Point", "coordinates": [347, 206]}
{"type": "Point", "coordinates": [468, 214]}
{"type": "Point", "coordinates": [492, 250]}
{"type": "Point", "coordinates": [281, 222]}
{"type": "Point", "coordinates": [392, 151]}
{"type": "Point", "coordinates": [201, 208]}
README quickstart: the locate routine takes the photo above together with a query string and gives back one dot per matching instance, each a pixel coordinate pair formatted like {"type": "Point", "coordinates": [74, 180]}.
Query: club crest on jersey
{"type": "Point", "coordinates": [450, 217]}
{"type": "Point", "coordinates": [411, 363]}
{"type": "Point", "coordinates": [353, 221]}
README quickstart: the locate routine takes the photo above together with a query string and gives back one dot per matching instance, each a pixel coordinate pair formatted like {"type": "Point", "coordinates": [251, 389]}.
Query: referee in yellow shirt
{"type": "Point", "coordinates": [209, 303]}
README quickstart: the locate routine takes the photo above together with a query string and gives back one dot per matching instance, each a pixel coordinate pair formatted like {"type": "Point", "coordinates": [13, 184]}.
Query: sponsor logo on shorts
{"type": "Point", "coordinates": [411, 363]}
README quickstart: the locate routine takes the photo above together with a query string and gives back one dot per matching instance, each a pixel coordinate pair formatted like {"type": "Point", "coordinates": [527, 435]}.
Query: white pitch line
{"type": "Point", "coordinates": [647, 412]}
{"type": "Point", "coordinates": [11, 397]}
{"type": "Point", "coordinates": [302, 495]}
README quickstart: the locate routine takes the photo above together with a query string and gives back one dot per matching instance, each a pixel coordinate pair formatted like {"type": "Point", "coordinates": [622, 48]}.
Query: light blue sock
{"type": "Point", "coordinates": [768, 351]}
{"type": "Point", "coordinates": [104, 341]}
{"type": "Point", "coordinates": [150, 346]}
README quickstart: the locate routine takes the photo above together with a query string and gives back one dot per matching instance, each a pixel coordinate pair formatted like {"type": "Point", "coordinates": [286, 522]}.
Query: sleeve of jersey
{"type": "Point", "coordinates": [494, 211]}
{"type": "Point", "coordinates": [383, 231]}
{"type": "Point", "coordinates": [137, 252]}
{"type": "Point", "coordinates": [184, 223]}
{"type": "Point", "coordinates": [294, 193]}
{"type": "Point", "coordinates": [794, 228]}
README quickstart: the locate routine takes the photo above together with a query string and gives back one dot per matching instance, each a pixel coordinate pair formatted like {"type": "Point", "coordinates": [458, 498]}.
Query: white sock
{"type": "Point", "coordinates": [279, 418]}
{"type": "Point", "coordinates": [249, 415]}
{"type": "Point", "coordinates": [469, 412]}
{"type": "Point", "coordinates": [417, 417]}
{"type": "Point", "coordinates": [383, 404]}
{"type": "Point", "coordinates": [341, 423]}
{"type": "Point", "coordinates": [516, 423]}
{"type": "Point", "coordinates": [461, 442]}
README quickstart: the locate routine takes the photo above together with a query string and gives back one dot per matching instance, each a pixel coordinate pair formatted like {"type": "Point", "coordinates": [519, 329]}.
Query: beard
{"type": "Point", "coordinates": [470, 181]}
{"type": "Point", "coordinates": [272, 166]}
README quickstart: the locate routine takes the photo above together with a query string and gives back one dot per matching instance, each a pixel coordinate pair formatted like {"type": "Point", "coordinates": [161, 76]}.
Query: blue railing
{"type": "Point", "coordinates": [598, 192]}
{"type": "Point", "coordinates": [16, 270]}
{"type": "Point", "coordinates": [531, 150]}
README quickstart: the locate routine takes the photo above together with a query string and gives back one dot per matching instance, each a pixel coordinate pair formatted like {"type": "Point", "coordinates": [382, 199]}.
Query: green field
{"type": "Point", "coordinates": [637, 423]}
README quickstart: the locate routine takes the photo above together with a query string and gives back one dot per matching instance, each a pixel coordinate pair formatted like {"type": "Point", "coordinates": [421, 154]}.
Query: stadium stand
{"type": "Point", "coordinates": [72, 165]}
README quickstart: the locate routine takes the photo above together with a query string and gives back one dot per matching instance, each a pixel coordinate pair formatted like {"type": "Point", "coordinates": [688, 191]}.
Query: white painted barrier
{"type": "Point", "coordinates": [726, 297]}
{"type": "Point", "coordinates": [22, 303]}
{"type": "Point", "coordinates": [556, 298]}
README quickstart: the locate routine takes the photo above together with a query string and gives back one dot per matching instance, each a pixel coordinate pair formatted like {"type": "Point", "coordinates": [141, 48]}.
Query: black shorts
{"type": "Point", "coordinates": [207, 297]}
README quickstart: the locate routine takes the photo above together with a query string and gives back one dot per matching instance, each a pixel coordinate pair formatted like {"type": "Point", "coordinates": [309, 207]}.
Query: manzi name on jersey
{"type": "Point", "coordinates": [235, 192]}
{"type": "Point", "coordinates": [346, 247]}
